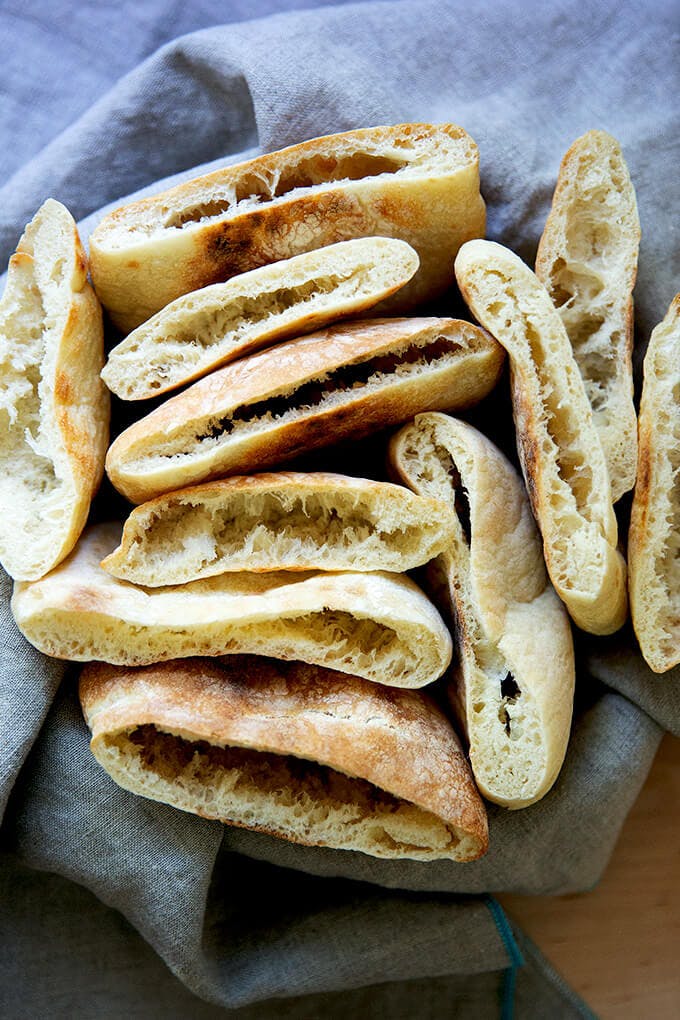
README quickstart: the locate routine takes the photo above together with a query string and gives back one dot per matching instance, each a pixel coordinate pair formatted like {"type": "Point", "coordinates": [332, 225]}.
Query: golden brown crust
{"type": "Point", "coordinates": [417, 182]}
{"type": "Point", "coordinates": [161, 452]}
{"type": "Point", "coordinates": [396, 740]}
{"type": "Point", "coordinates": [81, 399]}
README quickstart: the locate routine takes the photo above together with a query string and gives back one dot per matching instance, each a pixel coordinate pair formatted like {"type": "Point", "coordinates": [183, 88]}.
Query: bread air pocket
{"type": "Point", "coordinates": [300, 752]}
{"type": "Point", "coordinates": [378, 626]}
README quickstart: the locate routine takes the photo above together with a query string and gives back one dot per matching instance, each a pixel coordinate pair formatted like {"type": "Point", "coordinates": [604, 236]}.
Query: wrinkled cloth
{"type": "Point", "coordinates": [240, 919]}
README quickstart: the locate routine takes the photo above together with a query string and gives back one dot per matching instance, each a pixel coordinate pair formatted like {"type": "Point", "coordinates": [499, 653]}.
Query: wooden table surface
{"type": "Point", "coordinates": [619, 945]}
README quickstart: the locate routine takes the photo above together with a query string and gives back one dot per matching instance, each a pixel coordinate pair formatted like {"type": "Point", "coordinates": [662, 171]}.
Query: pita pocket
{"type": "Point", "coordinates": [279, 521]}
{"type": "Point", "coordinates": [514, 678]}
{"type": "Point", "coordinates": [54, 409]}
{"type": "Point", "coordinates": [340, 383]}
{"type": "Point", "coordinates": [417, 182]}
{"type": "Point", "coordinates": [299, 752]}
{"type": "Point", "coordinates": [564, 465]}
{"type": "Point", "coordinates": [378, 626]}
{"type": "Point", "coordinates": [587, 260]}
{"type": "Point", "coordinates": [654, 536]}
{"type": "Point", "coordinates": [207, 328]}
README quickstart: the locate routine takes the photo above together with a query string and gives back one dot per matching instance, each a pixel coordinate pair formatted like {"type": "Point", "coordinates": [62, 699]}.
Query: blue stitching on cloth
{"type": "Point", "coordinates": [514, 952]}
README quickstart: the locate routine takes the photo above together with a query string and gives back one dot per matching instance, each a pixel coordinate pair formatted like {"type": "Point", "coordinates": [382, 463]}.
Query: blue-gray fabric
{"type": "Point", "coordinates": [244, 921]}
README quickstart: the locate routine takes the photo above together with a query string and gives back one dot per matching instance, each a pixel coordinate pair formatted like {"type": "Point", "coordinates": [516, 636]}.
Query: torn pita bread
{"type": "Point", "coordinates": [297, 751]}
{"type": "Point", "coordinates": [654, 536]}
{"type": "Point", "coordinates": [560, 450]}
{"type": "Point", "coordinates": [343, 382]}
{"type": "Point", "coordinates": [417, 182]}
{"type": "Point", "coordinates": [514, 678]}
{"type": "Point", "coordinates": [378, 626]}
{"type": "Point", "coordinates": [54, 409]}
{"type": "Point", "coordinates": [279, 521]}
{"type": "Point", "coordinates": [207, 328]}
{"type": "Point", "coordinates": [587, 260]}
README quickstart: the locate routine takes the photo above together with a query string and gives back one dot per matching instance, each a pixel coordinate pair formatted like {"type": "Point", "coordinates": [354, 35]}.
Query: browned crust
{"type": "Point", "coordinates": [397, 740]}
{"type": "Point", "coordinates": [279, 371]}
{"type": "Point", "coordinates": [436, 212]}
{"type": "Point", "coordinates": [80, 397]}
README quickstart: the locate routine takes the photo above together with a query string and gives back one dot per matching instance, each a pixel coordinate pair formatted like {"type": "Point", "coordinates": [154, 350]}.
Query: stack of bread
{"type": "Point", "coordinates": [256, 647]}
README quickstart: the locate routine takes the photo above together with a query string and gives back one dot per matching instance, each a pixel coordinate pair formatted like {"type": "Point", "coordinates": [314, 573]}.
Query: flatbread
{"type": "Point", "coordinates": [417, 182]}
{"type": "Point", "coordinates": [54, 409]}
{"type": "Point", "coordinates": [378, 626]}
{"type": "Point", "coordinates": [559, 447]}
{"type": "Point", "coordinates": [654, 536]}
{"type": "Point", "coordinates": [342, 382]}
{"type": "Point", "coordinates": [279, 521]}
{"type": "Point", "coordinates": [587, 260]}
{"type": "Point", "coordinates": [513, 683]}
{"type": "Point", "coordinates": [215, 325]}
{"type": "Point", "coordinates": [300, 752]}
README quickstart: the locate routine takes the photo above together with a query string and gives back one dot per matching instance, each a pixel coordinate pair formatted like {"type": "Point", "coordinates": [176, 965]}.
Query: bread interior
{"type": "Point", "coordinates": [301, 800]}
{"type": "Point", "coordinates": [178, 343]}
{"type": "Point", "coordinates": [657, 596]}
{"type": "Point", "coordinates": [498, 717]}
{"type": "Point", "coordinates": [253, 188]}
{"type": "Point", "coordinates": [596, 356]}
{"type": "Point", "coordinates": [35, 481]}
{"type": "Point", "coordinates": [251, 529]}
{"type": "Point", "coordinates": [208, 325]}
{"type": "Point", "coordinates": [667, 560]}
{"type": "Point", "coordinates": [313, 394]}
{"type": "Point", "coordinates": [594, 226]}
{"type": "Point", "coordinates": [23, 441]}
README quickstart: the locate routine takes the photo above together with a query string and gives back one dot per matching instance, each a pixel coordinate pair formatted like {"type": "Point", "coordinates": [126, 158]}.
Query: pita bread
{"type": "Point", "coordinates": [587, 260]}
{"type": "Point", "coordinates": [515, 673]}
{"type": "Point", "coordinates": [378, 626]}
{"type": "Point", "coordinates": [560, 450]}
{"type": "Point", "coordinates": [300, 752]}
{"type": "Point", "coordinates": [284, 521]}
{"type": "Point", "coordinates": [342, 382]}
{"type": "Point", "coordinates": [207, 328]}
{"type": "Point", "coordinates": [54, 409]}
{"type": "Point", "coordinates": [654, 537]}
{"type": "Point", "coordinates": [417, 182]}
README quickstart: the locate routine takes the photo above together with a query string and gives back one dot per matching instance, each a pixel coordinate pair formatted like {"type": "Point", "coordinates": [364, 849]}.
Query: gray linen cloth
{"type": "Point", "coordinates": [243, 920]}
